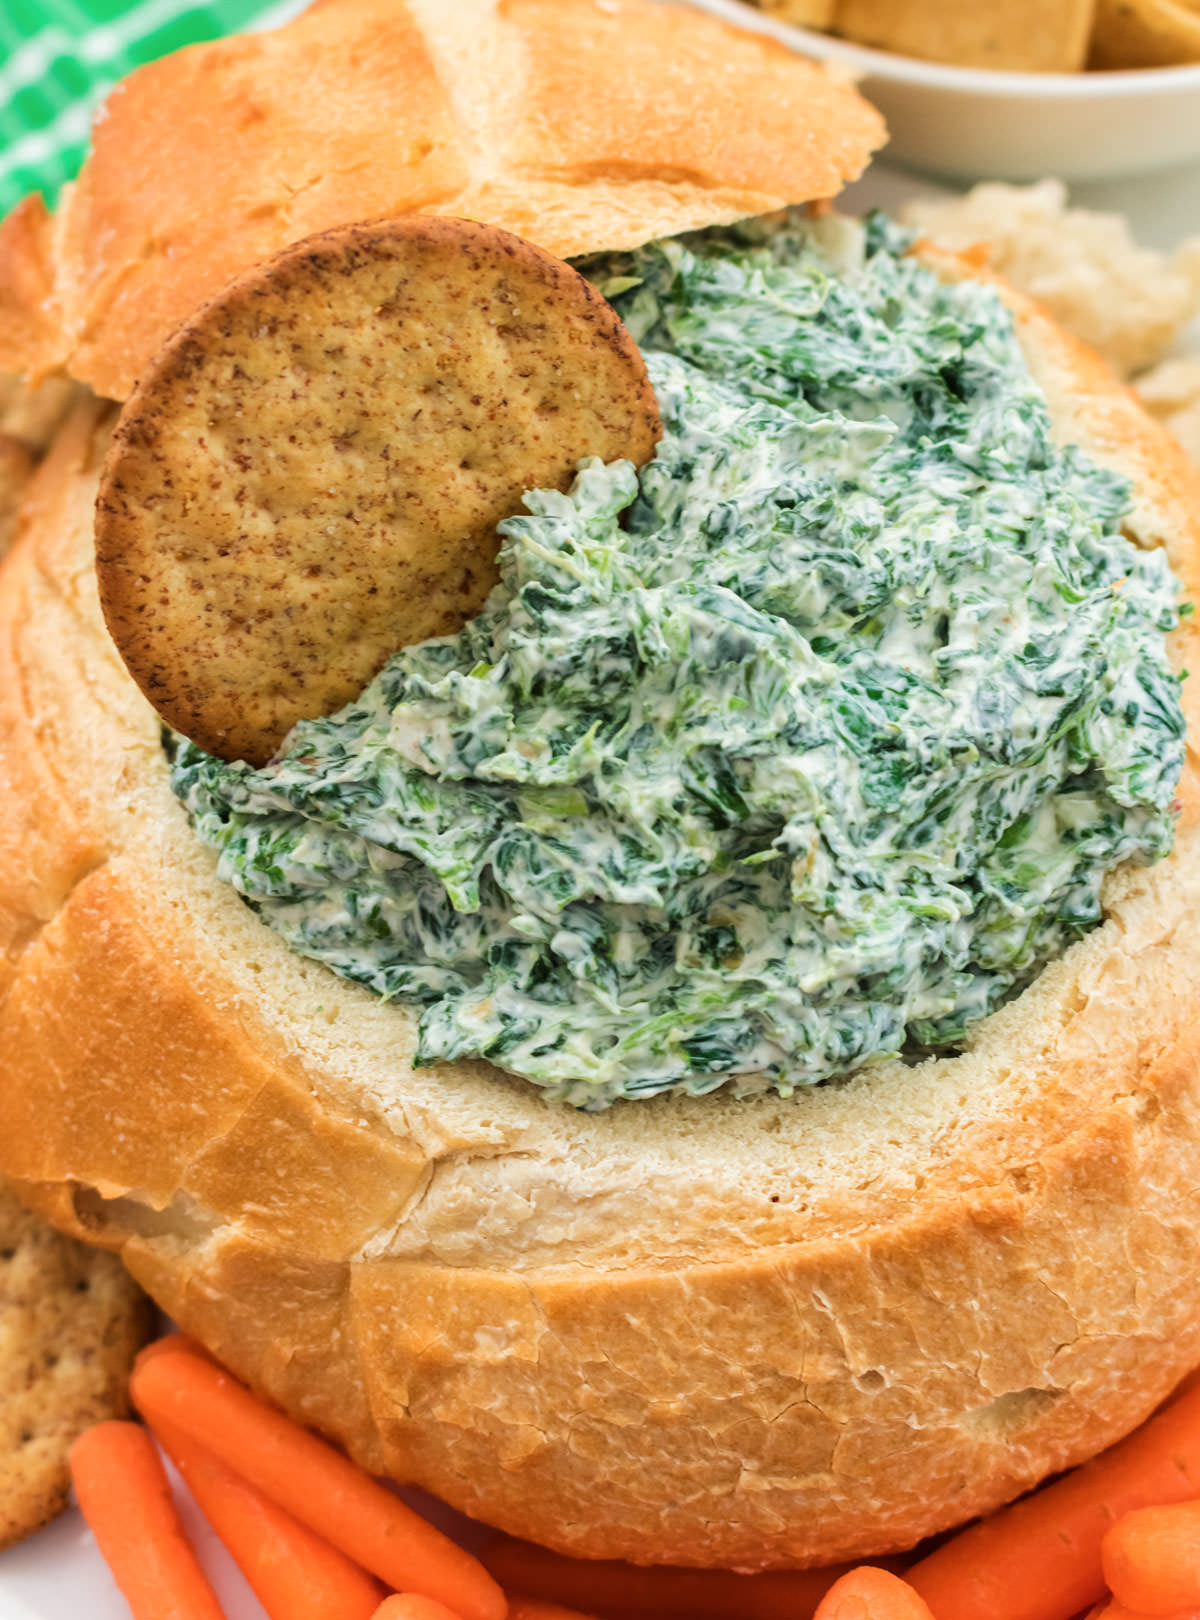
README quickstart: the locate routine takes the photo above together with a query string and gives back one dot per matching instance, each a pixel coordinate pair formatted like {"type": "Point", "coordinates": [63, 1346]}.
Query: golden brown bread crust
{"type": "Point", "coordinates": [691, 1330]}
{"type": "Point", "coordinates": [578, 124]}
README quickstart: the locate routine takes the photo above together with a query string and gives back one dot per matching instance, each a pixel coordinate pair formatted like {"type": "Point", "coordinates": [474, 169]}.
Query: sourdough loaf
{"type": "Point", "coordinates": [694, 1330]}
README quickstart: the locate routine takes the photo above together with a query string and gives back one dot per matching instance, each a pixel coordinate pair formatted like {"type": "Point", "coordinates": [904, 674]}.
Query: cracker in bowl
{"type": "Point", "coordinates": [1145, 34]}
{"type": "Point", "coordinates": [1020, 35]}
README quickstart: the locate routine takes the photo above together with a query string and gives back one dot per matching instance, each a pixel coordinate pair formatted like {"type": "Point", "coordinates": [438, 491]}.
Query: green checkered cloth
{"type": "Point", "coordinates": [59, 58]}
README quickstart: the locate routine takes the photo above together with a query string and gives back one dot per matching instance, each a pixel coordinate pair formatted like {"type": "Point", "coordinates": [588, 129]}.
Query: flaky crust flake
{"type": "Point", "coordinates": [694, 1331]}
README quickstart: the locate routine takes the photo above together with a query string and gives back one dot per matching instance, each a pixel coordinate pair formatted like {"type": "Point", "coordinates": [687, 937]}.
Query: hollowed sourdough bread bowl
{"type": "Point", "coordinates": [693, 1330]}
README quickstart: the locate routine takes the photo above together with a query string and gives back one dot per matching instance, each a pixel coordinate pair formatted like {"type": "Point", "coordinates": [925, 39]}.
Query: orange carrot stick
{"type": "Point", "coordinates": [171, 1344]}
{"type": "Point", "coordinates": [1118, 1611]}
{"type": "Point", "coordinates": [1151, 1558]}
{"type": "Point", "coordinates": [629, 1592]}
{"type": "Point", "coordinates": [1040, 1558]}
{"type": "Point", "coordinates": [411, 1606]}
{"type": "Point", "coordinates": [312, 1482]}
{"type": "Point", "coordinates": [527, 1608]}
{"type": "Point", "coordinates": [294, 1574]}
{"type": "Point", "coordinates": [123, 1492]}
{"type": "Point", "coordinates": [1187, 1383]}
{"type": "Point", "coordinates": [870, 1593]}
{"type": "Point", "coordinates": [407, 1606]}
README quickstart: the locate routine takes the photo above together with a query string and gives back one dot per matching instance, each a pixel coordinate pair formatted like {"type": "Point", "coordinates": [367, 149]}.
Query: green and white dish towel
{"type": "Point", "coordinates": [59, 58]}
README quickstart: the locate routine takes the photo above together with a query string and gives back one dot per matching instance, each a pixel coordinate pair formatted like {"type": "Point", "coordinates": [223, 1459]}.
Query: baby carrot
{"type": "Point", "coordinates": [870, 1593]}
{"type": "Point", "coordinates": [1151, 1558]}
{"type": "Point", "coordinates": [170, 1345]}
{"type": "Point", "coordinates": [313, 1482]}
{"type": "Point", "coordinates": [523, 1608]}
{"type": "Point", "coordinates": [407, 1606]}
{"type": "Point", "coordinates": [411, 1606]}
{"type": "Point", "coordinates": [632, 1592]}
{"type": "Point", "coordinates": [1118, 1611]}
{"type": "Point", "coordinates": [1189, 1382]}
{"type": "Point", "coordinates": [1040, 1558]}
{"type": "Point", "coordinates": [295, 1574]}
{"type": "Point", "coordinates": [123, 1492]}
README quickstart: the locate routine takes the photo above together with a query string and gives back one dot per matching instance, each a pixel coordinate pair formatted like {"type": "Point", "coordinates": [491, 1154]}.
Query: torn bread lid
{"type": "Point", "coordinates": [578, 124]}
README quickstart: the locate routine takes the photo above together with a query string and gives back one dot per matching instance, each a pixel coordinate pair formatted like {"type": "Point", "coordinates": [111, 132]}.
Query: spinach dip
{"type": "Point", "coordinates": [804, 747]}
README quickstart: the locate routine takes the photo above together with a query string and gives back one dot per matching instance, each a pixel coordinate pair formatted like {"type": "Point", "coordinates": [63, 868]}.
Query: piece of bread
{"type": "Point", "coordinates": [1127, 301]}
{"type": "Point", "coordinates": [578, 124]}
{"type": "Point", "coordinates": [1145, 34]}
{"type": "Point", "coordinates": [71, 1318]}
{"type": "Point", "coordinates": [1171, 392]}
{"type": "Point", "coordinates": [691, 1330]}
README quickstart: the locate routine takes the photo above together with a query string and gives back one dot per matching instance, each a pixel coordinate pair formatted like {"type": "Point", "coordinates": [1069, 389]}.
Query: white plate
{"type": "Point", "coordinates": [60, 1575]}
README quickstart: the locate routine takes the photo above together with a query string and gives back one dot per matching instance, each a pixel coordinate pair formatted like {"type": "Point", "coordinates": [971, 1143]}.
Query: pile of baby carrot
{"type": "Point", "coordinates": [317, 1539]}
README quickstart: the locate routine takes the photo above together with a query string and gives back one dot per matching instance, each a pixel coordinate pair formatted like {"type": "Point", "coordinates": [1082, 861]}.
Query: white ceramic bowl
{"type": "Point", "coordinates": [980, 124]}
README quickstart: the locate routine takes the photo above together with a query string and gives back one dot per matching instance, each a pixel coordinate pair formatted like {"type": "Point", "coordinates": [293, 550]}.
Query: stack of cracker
{"type": "Point", "coordinates": [1029, 36]}
{"type": "Point", "coordinates": [71, 1322]}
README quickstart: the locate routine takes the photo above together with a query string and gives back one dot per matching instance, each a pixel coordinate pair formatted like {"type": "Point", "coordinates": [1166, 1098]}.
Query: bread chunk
{"type": "Point", "coordinates": [1126, 301]}
{"type": "Point", "coordinates": [1145, 34]}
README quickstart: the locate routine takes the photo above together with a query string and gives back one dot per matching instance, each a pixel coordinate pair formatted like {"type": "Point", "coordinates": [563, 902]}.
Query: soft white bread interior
{"type": "Point", "coordinates": [578, 124]}
{"type": "Point", "coordinates": [698, 1331]}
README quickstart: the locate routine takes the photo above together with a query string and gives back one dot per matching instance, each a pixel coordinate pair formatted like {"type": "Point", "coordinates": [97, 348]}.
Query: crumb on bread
{"type": "Point", "coordinates": [1127, 301]}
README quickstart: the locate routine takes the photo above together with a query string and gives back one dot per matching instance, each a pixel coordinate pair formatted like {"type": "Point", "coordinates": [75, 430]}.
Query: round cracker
{"type": "Point", "coordinates": [71, 1321]}
{"type": "Point", "coordinates": [311, 474]}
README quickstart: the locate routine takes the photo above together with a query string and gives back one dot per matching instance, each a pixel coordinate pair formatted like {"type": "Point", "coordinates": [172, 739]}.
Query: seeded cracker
{"type": "Point", "coordinates": [71, 1321]}
{"type": "Point", "coordinates": [311, 474]}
